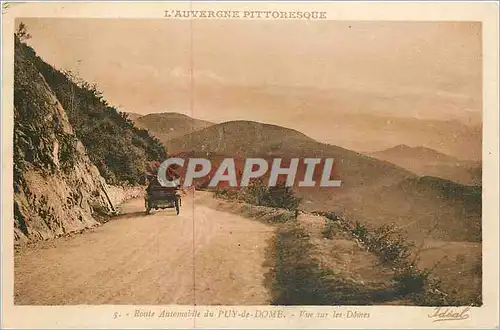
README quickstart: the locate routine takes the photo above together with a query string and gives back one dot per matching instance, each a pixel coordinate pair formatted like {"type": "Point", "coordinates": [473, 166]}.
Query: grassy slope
{"type": "Point", "coordinates": [373, 191]}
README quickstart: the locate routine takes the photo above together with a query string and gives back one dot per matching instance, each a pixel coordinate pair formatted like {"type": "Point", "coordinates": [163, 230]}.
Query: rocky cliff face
{"type": "Point", "coordinates": [56, 187]}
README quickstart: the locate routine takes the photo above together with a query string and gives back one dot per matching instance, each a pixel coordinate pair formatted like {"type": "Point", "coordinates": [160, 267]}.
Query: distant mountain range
{"type": "Point", "coordinates": [370, 133]}
{"type": "Point", "coordinates": [426, 161]}
{"type": "Point", "coordinates": [376, 189]}
{"type": "Point", "coordinates": [359, 119]}
{"type": "Point", "coordinates": [168, 125]}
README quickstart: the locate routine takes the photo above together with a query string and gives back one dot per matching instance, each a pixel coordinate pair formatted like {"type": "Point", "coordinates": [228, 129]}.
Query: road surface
{"type": "Point", "coordinates": [202, 256]}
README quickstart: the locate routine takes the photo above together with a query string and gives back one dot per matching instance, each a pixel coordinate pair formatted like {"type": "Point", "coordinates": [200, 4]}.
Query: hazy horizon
{"type": "Point", "coordinates": [321, 77]}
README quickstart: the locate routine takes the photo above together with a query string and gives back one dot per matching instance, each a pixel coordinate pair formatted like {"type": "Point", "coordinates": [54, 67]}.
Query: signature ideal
{"type": "Point", "coordinates": [449, 314]}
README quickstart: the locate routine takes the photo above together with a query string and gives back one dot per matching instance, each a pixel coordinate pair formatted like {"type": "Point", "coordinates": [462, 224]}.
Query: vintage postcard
{"type": "Point", "coordinates": [250, 165]}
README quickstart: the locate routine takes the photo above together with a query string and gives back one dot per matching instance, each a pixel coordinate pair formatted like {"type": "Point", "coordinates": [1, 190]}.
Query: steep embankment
{"type": "Point", "coordinates": [62, 158]}
{"type": "Point", "coordinates": [56, 187]}
{"type": "Point", "coordinates": [115, 145]}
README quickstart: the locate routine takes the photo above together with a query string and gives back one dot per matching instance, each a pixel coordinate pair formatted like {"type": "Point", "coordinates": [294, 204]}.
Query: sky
{"type": "Point", "coordinates": [274, 71]}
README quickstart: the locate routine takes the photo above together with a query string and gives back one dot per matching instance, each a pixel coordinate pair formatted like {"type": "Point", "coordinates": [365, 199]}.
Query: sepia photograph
{"type": "Point", "coordinates": [287, 160]}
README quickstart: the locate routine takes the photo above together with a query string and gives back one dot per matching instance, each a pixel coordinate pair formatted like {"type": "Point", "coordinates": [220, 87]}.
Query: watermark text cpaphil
{"type": "Point", "coordinates": [252, 168]}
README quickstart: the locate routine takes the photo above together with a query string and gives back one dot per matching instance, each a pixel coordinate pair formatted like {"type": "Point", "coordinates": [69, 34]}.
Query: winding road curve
{"type": "Point", "coordinates": [202, 256]}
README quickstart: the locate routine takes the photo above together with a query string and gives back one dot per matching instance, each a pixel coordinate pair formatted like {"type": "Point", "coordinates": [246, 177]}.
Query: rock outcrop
{"type": "Point", "coordinates": [57, 189]}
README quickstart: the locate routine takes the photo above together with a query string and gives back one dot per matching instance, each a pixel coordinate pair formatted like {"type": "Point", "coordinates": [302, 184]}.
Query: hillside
{"type": "Point", "coordinates": [423, 207]}
{"type": "Point", "coordinates": [426, 161]}
{"type": "Point", "coordinates": [133, 116]}
{"type": "Point", "coordinates": [404, 151]}
{"type": "Point", "coordinates": [237, 136]}
{"type": "Point", "coordinates": [168, 125]}
{"type": "Point", "coordinates": [248, 138]}
{"type": "Point", "coordinates": [56, 187]}
{"type": "Point", "coordinates": [68, 144]}
{"type": "Point", "coordinates": [373, 191]}
{"type": "Point", "coordinates": [119, 149]}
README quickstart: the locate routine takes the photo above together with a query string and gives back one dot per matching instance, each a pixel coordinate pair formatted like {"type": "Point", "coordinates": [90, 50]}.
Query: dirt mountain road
{"type": "Point", "coordinates": [201, 256]}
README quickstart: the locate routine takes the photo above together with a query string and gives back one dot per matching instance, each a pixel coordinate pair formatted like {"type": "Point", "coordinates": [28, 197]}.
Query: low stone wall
{"type": "Point", "coordinates": [118, 194]}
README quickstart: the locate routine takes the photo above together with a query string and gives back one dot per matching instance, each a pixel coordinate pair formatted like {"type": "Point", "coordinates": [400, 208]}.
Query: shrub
{"type": "Point", "coordinates": [410, 280]}
{"type": "Point", "coordinates": [67, 150]}
{"type": "Point", "coordinates": [226, 193]}
{"type": "Point", "coordinates": [331, 228]}
{"type": "Point", "coordinates": [280, 196]}
{"type": "Point", "coordinates": [391, 246]}
{"type": "Point", "coordinates": [258, 193]}
{"type": "Point", "coordinates": [254, 193]}
{"type": "Point", "coordinates": [328, 232]}
{"type": "Point", "coordinates": [360, 231]}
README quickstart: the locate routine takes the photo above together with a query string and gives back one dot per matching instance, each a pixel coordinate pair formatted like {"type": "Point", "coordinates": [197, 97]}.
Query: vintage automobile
{"type": "Point", "coordinates": [160, 197]}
